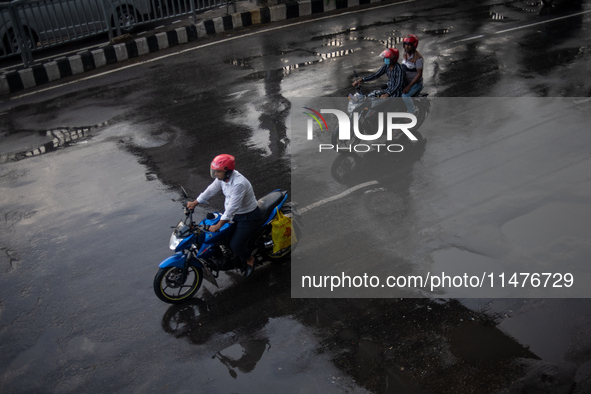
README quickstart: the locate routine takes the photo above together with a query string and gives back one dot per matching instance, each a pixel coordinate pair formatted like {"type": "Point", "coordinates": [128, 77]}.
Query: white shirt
{"type": "Point", "coordinates": [239, 195]}
{"type": "Point", "coordinates": [412, 68]}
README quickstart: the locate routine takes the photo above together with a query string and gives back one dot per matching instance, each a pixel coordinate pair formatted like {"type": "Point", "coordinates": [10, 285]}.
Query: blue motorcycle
{"type": "Point", "coordinates": [201, 254]}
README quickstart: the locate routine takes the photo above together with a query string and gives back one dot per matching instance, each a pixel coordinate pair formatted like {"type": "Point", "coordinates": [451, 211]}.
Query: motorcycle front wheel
{"type": "Point", "coordinates": [343, 145]}
{"type": "Point", "coordinates": [345, 167]}
{"type": "Point", "coordinates": [168, 288]}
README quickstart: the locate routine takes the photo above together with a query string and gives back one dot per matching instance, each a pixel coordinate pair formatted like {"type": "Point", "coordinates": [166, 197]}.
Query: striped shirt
{"type": "Point", "coordinates": [396, 79]}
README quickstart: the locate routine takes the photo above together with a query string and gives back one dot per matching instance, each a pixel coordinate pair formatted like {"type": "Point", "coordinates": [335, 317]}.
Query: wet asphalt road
{"type": "Point", "coordinates": [85, 225]}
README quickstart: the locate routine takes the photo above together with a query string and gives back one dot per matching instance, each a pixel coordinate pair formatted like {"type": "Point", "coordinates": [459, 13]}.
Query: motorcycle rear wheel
{"type": "Point", "coordinates": [279, 256]}
{"type": "Point", "coordinates": [423, 111]}
{"type": "Point", "coordinates": [284, 253]}
{"type": "Point", "coordinates": [168, 288]}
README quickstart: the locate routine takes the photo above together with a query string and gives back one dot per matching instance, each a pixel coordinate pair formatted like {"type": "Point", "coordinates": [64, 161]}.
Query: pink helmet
{"type": "Point", "coordinates": [223, 162]}
{"type": "Point", "coordinates": [390, 53]}
{"type": "Point", "coordinates": [411, 39]}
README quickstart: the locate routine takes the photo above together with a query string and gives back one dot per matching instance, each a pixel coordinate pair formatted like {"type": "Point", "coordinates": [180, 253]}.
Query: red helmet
{"type": "Point", "coordinates": [223, 162]}
{"type": "Point", "coordinates": [411, 39]}
{"type": "Point", "coordinates": [390, 53]}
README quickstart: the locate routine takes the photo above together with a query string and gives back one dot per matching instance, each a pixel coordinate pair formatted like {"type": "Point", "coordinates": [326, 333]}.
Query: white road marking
{"type": "Point", "coordinates": [471, 38]}
{"type": "Point", "coordinates": [338, 196]}
{"type": "Point", "coordinates": [238, 94]}
{"type": "Point", "coordinates": [525, 26]}
{"type": "Point", "coordinates": [575, 101]}
{"type": "Point", "coordinates": [203, 46]}
{"type": "Point", "coordinates": [539, 23]}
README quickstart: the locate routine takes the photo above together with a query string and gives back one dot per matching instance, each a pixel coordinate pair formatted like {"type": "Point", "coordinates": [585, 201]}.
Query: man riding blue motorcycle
{"type": "Point", "coordinates": [240, 206]}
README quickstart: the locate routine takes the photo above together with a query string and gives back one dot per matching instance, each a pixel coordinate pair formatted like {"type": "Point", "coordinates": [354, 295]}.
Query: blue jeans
{"type": "Point", "coordinates": [407, 97]}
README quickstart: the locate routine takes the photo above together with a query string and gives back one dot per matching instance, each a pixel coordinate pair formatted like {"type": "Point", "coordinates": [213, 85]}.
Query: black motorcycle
{"type": "Point", "coordinates": [369, 107]}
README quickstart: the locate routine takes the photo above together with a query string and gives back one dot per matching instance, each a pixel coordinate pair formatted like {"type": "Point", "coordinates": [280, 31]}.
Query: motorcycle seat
{"type": "Point", "coordinates": [269, 202]}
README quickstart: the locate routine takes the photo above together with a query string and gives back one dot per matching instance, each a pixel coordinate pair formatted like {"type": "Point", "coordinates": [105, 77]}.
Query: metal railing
{"type": "Point", "coordinates": [27, 26]}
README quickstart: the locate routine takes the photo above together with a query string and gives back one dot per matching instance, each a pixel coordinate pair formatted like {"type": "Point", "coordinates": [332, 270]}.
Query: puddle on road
{"type": "Point", "coordinates": [242, 357]}
{"type": "Point", "coordinates": [478, 344]}
{"type": "Point", "coordinates": [359, 28]}
{"type": "Point", "coordinates": [494, 16]}
{"type": "Point", "coordinates": [437, 31]}
{"type": "Point", "coordinates": [20, 146]}
{"type": "Point", "coordinates": [457, 262]}
{"type": "Point", "coordinates": [347, 45]}
{"type": "Point", "coordinates": [525, 6]}
{"type": "Point", "coordinates": [288, 69]}
{"type": "Point", "coordinates": [282, 353]}
{"type": "Point", "coordinates": [549, 223]}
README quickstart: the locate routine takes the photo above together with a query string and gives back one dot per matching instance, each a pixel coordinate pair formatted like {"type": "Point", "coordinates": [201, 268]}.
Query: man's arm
{"type": "Point", "coordinates": [373, 76]}
{"type": "Point", "coordinates": [217, 226]}
{"type": "Point", "coordinates": [208, 193]}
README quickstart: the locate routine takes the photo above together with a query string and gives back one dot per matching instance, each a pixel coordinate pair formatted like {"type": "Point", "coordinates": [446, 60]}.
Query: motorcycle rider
{"type": "Point", "coordinates": [392, 69]}
{"type": "Point", "coordinates": [240, 206]}
{"type": "Point", "coordinates": [412, 62]}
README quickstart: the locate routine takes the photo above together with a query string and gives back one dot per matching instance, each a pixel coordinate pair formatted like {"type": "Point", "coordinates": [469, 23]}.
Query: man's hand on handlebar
{"type": "Point", "coordinates": [358, 82]}
{"type": "Point", "coordinates": [192, 204]}
{"type": "Point", "coordinates": [215, 227]}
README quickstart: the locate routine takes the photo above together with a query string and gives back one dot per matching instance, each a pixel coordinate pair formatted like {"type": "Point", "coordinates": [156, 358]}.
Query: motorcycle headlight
{"type": "Point", "coordinates": [351, 106]}
{"type": "Point", "coordinates": [181, 231]}
{"type": "Point", "coordinates": [174, 242]}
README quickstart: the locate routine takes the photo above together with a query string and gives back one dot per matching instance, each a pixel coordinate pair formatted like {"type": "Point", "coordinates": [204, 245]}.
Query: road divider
{"type": "Point", "coordinates": [40, 74]}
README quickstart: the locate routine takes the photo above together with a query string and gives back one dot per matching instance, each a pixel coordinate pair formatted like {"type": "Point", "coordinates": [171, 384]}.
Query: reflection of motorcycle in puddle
{"type": "Point", "coordinates": [249, 353]}
{"type": "Point", "coordinates": [229, 310]}
{"type": "Point", "coordinates": [553, 6]}
{"type": "Point", "coordinates": [179, 319]}
{"type": "Point", "coordinates": [387, 167]}
{"type": "Point", "coordinates": [196, 321]}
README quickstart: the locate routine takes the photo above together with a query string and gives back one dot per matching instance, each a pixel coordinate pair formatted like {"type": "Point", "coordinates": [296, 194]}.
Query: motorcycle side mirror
{"type": "Point", "coordinates": [185, 194]}
{"type": "Point", "coordinates": [355, 73]}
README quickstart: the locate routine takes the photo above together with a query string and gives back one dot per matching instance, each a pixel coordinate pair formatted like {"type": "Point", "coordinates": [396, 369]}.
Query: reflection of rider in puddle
{"type": "Point", "coordinates": [251, 355]}
{"type": "Point", "coordinates": [353, 168]}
